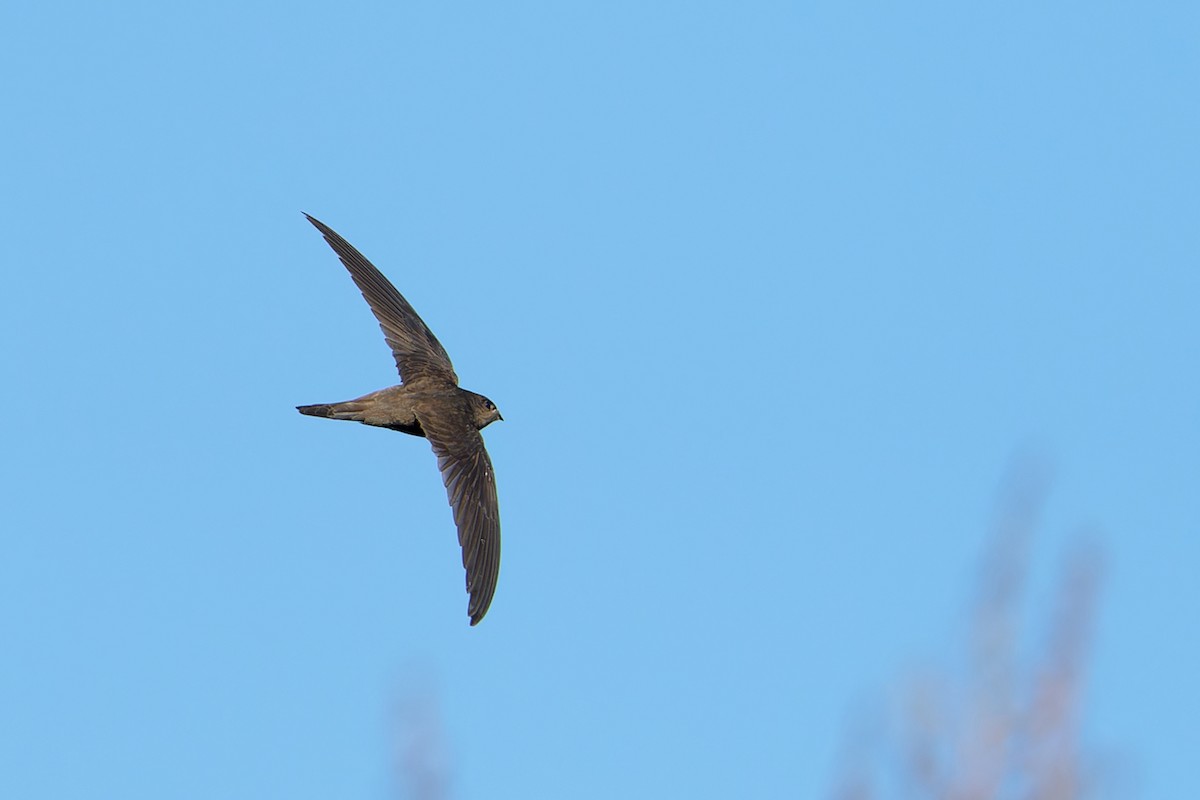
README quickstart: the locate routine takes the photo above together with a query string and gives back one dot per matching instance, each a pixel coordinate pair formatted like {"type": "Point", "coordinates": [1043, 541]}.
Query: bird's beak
{"type": "Point", "coordinates": [499, 417]}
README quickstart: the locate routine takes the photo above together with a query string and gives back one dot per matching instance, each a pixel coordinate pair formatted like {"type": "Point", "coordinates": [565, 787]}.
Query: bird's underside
{"type": "Point", "coordinates": [350, 410]}
{"type": "Point", "coordinates": [430, 404]}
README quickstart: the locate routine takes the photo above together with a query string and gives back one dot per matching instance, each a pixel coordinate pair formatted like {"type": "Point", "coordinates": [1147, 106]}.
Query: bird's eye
{"type": "Point", "coordinates": [490, 405]}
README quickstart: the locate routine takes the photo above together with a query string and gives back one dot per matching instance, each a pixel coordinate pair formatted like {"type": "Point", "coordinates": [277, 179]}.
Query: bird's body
{"type": "Point", "coordinates": [394, 407]}
{"type": "Point", "coordinates": [430, 404]}
{"type": "Point", "coordinates": [400, 408]}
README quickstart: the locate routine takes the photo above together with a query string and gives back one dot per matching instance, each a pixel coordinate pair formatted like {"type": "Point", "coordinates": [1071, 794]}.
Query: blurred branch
{"type": "Point", "coordinates": [422, 764]}
{"type": "Point", "coordinates": [1006, 729]}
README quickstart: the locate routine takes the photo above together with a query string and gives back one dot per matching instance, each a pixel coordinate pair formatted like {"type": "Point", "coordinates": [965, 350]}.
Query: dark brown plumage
{"type": "Point", "coordinates": [429, 403]}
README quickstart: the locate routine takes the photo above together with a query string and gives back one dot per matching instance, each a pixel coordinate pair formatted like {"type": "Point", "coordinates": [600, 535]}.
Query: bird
{"type": "Point", "coordinates": [429, 403]}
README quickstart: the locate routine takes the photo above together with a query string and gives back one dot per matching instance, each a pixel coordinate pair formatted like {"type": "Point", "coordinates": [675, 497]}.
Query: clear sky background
{"type": "Point", "coordinates": [769, 295]}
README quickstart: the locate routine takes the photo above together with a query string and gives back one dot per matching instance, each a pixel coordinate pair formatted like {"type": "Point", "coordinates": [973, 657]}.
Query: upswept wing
{"type": "Point", "coordinates": [417, 351]}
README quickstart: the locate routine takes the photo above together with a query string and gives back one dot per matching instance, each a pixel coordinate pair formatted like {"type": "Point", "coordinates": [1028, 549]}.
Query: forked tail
{"type": "Point", "coordinates": [351, 410]}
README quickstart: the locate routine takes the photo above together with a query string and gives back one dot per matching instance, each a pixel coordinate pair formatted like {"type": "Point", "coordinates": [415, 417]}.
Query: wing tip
{"type": "Point", "coordinates": [477, 614]}
{"type": "Point", "coordinates": [477, 609]}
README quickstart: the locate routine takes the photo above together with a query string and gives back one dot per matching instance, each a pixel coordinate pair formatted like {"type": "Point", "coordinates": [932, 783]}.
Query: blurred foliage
{"type": "Point", "coordinates": [1008, 727]}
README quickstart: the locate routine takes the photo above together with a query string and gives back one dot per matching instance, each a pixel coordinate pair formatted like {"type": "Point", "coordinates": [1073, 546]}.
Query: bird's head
{"type": "Point", "coordinates": [485, 411]}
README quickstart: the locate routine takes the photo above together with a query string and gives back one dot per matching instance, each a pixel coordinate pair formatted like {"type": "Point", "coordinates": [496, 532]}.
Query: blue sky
{"type": "Point", "coordinates": [769, 295]}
